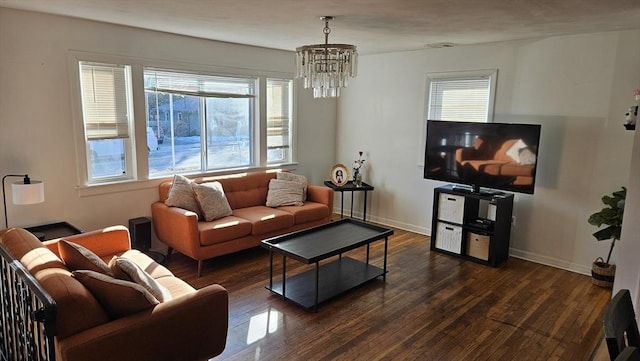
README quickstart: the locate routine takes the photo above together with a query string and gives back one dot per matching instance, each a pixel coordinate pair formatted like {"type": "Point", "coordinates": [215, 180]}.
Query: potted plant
{"type": "Point", "coordinates": [602, 271]}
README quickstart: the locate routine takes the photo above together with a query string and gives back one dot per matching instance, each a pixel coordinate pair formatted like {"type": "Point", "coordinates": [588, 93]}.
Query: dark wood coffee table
{"type": "Point", "coordinates": [316, 244]}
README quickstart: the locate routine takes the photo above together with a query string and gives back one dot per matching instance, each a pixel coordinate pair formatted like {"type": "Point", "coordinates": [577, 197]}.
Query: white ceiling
{"type": "Point", "coordinates": [373, 25]}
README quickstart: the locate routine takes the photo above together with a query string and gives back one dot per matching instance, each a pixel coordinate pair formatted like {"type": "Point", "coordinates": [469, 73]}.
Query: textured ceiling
{"type": "Point", "coordinates": [373, 25]}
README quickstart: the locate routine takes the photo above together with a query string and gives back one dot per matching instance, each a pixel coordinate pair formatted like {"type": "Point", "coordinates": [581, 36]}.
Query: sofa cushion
{"type": "Point", "coordinates": [211, 200]}
{"type": "Point", "coordinates": [284, 193]}
{"type": "Point", "coordinates": [247, 190]}
{"type": "Point", "coordinates": [77, 308]}
{"type": "Point", "coordinates": [77, 257]}
{"type": "Point", "coordinates": [176, 286]}
{"type": "Point", "coordinates": [223, 229]}
{"type": "Point", "coordinates": [294, 178]}
{"type": "Point", "coordinates": [309, 212]}
{"type": "Point", "coordinates": [125, 269]}
{"type": "Point", "coordinates": [147, 264]}
{"type": "Point", "coordinates": [516, 170]}
{"type": "Point", "coordinates": [181, 195]}
{"type": "Point", "coordinates": [264, 219]}
{"type": "Point", "coordinates": [119, 298]}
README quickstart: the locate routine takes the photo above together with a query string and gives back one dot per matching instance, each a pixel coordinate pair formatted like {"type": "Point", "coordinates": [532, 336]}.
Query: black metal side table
{"type": "Point", "coordinates": [350, 187]}
{"type": "Point", "coordinates": [46, 232]}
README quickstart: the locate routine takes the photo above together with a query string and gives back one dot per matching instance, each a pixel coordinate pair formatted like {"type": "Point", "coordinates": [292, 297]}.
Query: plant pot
{"type": "Point", "coordinates": [602, 274]}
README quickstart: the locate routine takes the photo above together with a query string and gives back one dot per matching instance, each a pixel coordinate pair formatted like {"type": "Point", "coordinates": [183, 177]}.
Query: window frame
{"type": "Point", "coordinates": [176, 87]}
{"type": "Point", "coordinates": [491, 74]}
{"type": "Point", "coordinates": [141, 179]}
{"type": "Point", "coordinates": [124, 133]}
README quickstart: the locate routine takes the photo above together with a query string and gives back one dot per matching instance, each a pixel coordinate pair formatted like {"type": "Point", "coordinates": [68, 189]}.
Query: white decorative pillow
{"type": "Point", "coordinates": [181, 195]}
{"type": "Point", "coordinates": [527, 157]}
{"type": "Point", "coordinates": [514, 150]}
{"type": "Point", "coordinates": [284, 193]}
{"type": "Point", "coordinates": [211, 200]}
{"type": "Point", "coordinates": [294, 178]}
{"type": "Point", "coordinates": [127, 270]}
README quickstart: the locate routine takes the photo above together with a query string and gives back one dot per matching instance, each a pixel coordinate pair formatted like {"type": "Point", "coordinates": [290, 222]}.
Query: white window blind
{"type": "Point", "coordinates": [463, 99]}
{"type": "Point", "coordinates": [105, 95]}
{"type": "Point", "coordinates": [200, 85]}
{"type": "Point", "coordinates": [278, 119]}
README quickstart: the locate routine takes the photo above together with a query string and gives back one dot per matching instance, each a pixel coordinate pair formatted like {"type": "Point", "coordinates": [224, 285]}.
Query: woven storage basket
{"type": "Point", "coordinates": [601, 274]}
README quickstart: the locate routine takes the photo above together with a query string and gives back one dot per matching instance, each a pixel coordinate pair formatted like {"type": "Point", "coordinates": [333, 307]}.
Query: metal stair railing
{"type": "Point", "coordinates": [27, 314]}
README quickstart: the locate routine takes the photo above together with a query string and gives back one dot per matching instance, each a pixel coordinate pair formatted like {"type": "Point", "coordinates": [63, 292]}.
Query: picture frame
{"type": "Point", "coordinates": [339, 175]}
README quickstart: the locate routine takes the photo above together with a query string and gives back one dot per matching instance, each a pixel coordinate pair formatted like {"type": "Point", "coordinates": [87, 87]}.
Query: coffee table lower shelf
{"type": "Point", "coordinates": [334, 278]}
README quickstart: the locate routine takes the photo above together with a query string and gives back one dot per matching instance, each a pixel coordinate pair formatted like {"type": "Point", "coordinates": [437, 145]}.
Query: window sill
{"type": "Point", "coordinates": [135, 185]}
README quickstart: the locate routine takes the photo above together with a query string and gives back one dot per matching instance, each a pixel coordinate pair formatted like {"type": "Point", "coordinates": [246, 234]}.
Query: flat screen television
{"type": "Point", "coordinates": [483, 155]}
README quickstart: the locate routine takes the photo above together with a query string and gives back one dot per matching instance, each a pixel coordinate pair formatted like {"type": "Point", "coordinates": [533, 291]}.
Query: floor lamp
{"type": "Point", "coordinates": [25, 192]}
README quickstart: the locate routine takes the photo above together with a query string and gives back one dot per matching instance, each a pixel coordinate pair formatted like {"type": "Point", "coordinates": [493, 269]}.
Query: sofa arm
{"type": "Point", "coordinates": [103, 242]}
{"type": "Point", "coordinates": [320, 194]}
{"type": "Point", "coordinates": [189, 327]}
{"type": "Point", "coordinates": [176, 227]}
{"type": "Point", "coordinates": [463, 154]}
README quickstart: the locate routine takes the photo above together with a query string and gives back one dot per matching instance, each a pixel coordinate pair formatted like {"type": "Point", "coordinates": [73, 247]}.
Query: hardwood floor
{"type": "Point", "coordinates": [431, 307]}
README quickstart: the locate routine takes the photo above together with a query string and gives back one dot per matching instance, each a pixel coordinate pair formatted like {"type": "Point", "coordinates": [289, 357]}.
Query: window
{"type": "Point", "coordinates": [207, 121]}
{"type": "Point", "coordinates": [190, 122]}
{"type": "Point", "coordinates": [279, 109]}
{"type": "Point", "coordinates": [465, 96]}
{"type": "Point", "coordinates": [107, 120]}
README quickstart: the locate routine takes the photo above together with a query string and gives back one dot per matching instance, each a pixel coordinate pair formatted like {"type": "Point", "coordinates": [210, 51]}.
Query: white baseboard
{"type": "Point", "coordinates": [513, 252]}
{"type": "Point", "coordinates": [389, 222]}
{"type": "Point", "coordinates": [550, 261]}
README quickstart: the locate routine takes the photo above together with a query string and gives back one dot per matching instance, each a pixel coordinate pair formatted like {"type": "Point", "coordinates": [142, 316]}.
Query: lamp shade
{"type": "Point", "coordinates": [27, 193]}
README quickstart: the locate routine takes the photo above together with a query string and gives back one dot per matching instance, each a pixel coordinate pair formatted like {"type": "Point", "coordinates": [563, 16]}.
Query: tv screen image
{"type": "Point", "coordinates": [483, 155]}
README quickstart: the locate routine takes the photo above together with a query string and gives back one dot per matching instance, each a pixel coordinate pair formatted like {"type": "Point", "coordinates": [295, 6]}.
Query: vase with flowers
{"type": "Point", "coordinates": [357, 170]}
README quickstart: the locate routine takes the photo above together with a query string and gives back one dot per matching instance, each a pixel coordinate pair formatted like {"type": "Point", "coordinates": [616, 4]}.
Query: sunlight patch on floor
{"type": "Point", "coordinates": [261, 325]}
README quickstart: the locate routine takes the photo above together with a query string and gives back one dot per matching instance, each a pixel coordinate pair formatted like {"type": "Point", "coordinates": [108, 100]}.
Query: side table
{"type": "Point", "coordinates": [350, 187]}
{"type": "Point", "coordinates": [140, 231]}
{"type": "Point", "coordinates": [46, 232]}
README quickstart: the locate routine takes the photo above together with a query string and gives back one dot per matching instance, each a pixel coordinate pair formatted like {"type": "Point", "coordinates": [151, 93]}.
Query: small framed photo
{"type": "Point", "coordinates": [339, 174]}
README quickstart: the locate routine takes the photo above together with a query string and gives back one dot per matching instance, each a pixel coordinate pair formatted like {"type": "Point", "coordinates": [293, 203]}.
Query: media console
{"type": "Point", "coordinates": [471, 225]}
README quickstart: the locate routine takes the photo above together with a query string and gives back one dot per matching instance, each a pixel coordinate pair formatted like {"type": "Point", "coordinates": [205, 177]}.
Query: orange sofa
{"type": "Point", "coordinates": [189, 325]}
{"type": "Point", "coordinates": [251, 221]}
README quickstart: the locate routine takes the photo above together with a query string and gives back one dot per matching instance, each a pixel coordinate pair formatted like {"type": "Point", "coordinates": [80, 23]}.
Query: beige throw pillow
{"type": "Point", "coordinates": [181, 195]}
{"type": "Point", "coordinates": [126, 269]}
{"type": "Point", "coordinates": [118, 298]}
{"type": "Point", "coordinates": [211, 200]}
{"type": "Point", "coordinates": [284, 193]}
{"type": "Point", "coordinates": [78, 257]}
{"type": "Point", "coordinates": [294, 178]}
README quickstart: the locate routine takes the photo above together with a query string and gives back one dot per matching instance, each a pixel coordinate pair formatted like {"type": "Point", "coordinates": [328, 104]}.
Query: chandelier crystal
{"type": "Point", "coordinates": [326, 67]}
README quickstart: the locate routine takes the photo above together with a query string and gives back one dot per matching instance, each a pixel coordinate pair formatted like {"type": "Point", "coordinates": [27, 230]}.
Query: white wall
{"type": "Point", "coordinates": [628, 271]}
{"type": "Point", "coordinates": [36, 115]}
{"type": "Point", "coordinates": [577, 87]}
